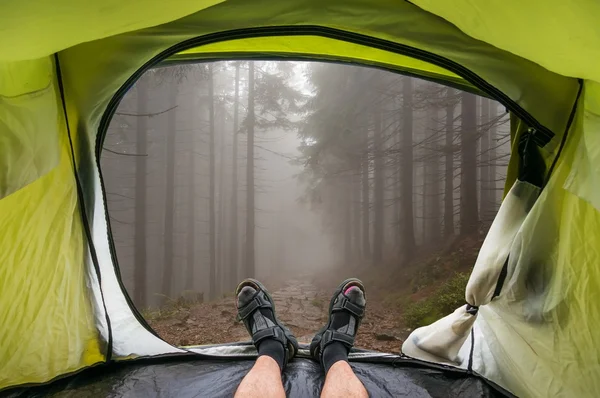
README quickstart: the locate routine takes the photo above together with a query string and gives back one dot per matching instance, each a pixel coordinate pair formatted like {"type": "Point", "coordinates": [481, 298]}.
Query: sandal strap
{"type": "Point", "coordinates": [276, 333]}
{"type": "Point", "coordinates": [273, 332]}
{"type": "Point", "coordinates": [330, 336]}
{"type": "Point", "coordinates": [259, 301]}
{"type": "Point", "coordinates": [343, 304]}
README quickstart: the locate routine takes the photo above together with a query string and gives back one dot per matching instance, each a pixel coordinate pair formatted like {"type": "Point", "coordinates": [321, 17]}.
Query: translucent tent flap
{"type": "Point", "coordinates": [48, 322]}
{"type": "Point", "coordinates": [28, 123]}
{"type": "Point", "coordinates": [536, 337]}
{"type": "Point", "coordinates": [584, 179]}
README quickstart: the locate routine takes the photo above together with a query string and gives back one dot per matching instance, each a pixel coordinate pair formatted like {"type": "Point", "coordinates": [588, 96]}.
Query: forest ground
{"type": "Point", "coordinates": [398, 299]}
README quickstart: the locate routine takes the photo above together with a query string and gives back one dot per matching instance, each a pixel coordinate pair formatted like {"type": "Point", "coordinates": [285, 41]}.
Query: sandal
{"type": "Point", "coordinates": [263, 326]}
{"type": "Point", "coordinates": [346, 334]}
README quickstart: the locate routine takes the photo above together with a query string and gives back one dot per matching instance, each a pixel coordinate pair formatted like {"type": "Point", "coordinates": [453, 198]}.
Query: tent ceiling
{"type": "Point", "coordinates": [553, 33]}
{"type": "Point", "coordinates": [34, 29]}
{"type": "Point", "coordinates": [562, 36]}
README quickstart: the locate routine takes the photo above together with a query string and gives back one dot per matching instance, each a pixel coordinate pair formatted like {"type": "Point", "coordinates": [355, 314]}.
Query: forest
{"type": "Point", "coordinates": [297, 173]}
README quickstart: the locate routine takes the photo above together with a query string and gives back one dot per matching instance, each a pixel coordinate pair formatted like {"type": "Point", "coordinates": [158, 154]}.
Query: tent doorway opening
{"type": "Point", "coordinates": [299, 174]}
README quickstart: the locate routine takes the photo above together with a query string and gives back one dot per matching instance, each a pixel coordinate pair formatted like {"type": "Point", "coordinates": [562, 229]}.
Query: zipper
{"type": "Point", "coordinates": [542, 136]}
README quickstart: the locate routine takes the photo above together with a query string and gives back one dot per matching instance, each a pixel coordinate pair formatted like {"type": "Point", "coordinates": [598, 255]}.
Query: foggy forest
{"type": "Point", "coordinates": [300, 174]}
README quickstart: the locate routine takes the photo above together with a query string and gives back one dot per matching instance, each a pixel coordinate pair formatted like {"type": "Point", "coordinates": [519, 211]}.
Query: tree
{"type": "Point", "coordinates": [485, 182]}
{"type": "Point", "coordinates": [493, 154]}
{"type": "Point", "coordinates": [432, 177]}
{"type": "Point", "coordinates": [272, 103]}
{"type": "Point", "coordinates": [347, 229]}
{"type": "Point", "coordinates": [469, 216]}
{"type": "Point", "coordinates": [192, 193]}
{"type": "Point", "coordinates": [212, 289]}
{"type": "Point", "coordinates": [222, 271]}
{"type": "Point", "coordinates": [250, 227]}
{"type": "Point", "coordinates": [407, 229]}
{"type": "Point", "coordinates": [378, 176]}
{"type": "Point", "coordinates": [140, 254]}
{"type": "Point", "coordinates": [169, 209]}
{"type": "Point", "coordinates": [356, 213]}
{"type": "Point", "coordinates": [449, 164]}
{"type": "Point", "coordinates": [234, 229]}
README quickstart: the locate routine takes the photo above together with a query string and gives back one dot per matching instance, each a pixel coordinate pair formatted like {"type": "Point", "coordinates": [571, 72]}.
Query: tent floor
{"type": "Point", "coordinates": [220, 378]}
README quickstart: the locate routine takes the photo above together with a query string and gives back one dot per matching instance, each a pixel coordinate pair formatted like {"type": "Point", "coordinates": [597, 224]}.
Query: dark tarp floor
{"type": "Point", "coordinates": [220, 378]}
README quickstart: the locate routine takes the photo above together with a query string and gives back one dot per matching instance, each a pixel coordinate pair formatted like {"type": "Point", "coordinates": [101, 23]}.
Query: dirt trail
{"type": "Point", "coordinates": [301, 303]}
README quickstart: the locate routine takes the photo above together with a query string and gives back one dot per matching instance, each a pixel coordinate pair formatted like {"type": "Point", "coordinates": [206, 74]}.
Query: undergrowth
{"type": "Point", "coordinates": [440, 303]}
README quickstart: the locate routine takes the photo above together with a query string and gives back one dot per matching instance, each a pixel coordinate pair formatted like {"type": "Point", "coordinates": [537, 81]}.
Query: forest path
{"type": "Point", "coordinates": [301, 303]}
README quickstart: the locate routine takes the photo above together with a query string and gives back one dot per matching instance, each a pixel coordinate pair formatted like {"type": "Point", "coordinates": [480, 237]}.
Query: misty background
{"type": "Point", "coordinates": [219, 171]}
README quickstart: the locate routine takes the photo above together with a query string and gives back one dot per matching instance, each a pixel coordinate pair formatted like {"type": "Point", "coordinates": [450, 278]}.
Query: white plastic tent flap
{"type": "Point", "coordinates": [499, 241]}
{"type": "Point", "coordinates": [442, 340]}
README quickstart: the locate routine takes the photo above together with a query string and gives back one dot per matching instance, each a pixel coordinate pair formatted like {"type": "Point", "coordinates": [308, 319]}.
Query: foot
{"type": "Point", "coordinates": [256, 310]}
{"type": "Point", "coordinates": [346, 310]}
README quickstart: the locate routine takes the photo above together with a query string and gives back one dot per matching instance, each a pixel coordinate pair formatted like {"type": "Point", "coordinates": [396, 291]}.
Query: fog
{"type": "Point", "coordinates": [349, 166]}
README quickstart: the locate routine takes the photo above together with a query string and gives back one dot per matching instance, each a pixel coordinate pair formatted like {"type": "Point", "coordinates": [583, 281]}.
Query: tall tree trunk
{"type": "Point", "coordinates": [469, 216]}
{"type": "Point", "coordinates": [191, 211]}
{"type": "Point", "coordinates": [250, 271]}
{"type": "Point", "coordinates": [222, 271]}
{"type": "Point", "coordinates": [484, 185]}
{"type": "Point", "coordinates": [169, 214]}
{"type": "Point", "coordinates": [449, 166]}
{"type": "Point", "coordinates": [407, 228]}
{"type": "Point", "coordinates": [397, 175]}
{"type": "Point", "coordinates": [356, 216]}
{"type": "Point", "coordinates": [424, 196]}
{"type": "Point", "coordinates": [141, 139]}
{"type": "Point", "coordinates": [347, 203]}
{"type": "Point", "coordinates": [433, 183]}
{"type": "Point", "coordinates": [366, 204]}
{"type": "Point", "coordinates": [234, 240]}
{"type": "Point", "coordinates": [378, 200]}
{"type": "Point", "coordinates": [493, 154]}
{"type": "Point", "coordinates": [212, 289]}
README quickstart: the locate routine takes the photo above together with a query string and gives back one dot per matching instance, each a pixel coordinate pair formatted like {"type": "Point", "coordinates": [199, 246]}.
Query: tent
{"type": "Point", "coordinates": [529, 325]}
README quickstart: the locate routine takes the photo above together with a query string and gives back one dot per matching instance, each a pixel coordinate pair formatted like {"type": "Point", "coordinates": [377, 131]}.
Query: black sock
{"type": "Point", "coordinates": [269, 346]}
{"type": "Point", "coordinates": [344, 322]}
{"type": "Point", "coordinates": [333, 353]}
{"type": "Point", "coordinates": [272, 348]}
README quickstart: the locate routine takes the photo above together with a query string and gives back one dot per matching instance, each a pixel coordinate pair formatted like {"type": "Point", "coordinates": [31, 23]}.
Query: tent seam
{"type": "Point", "coordinates": [82, 209]}
{"type": "Point", "coordinates": [563, 141]}
{"type": "Point", "coordinates": [470, 365]}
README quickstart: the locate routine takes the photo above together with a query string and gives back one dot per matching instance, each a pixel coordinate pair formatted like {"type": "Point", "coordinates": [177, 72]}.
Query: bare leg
{"type": "Point", "coordinates": [274, 342]}
{"type": "Point", "coordinates": [342, 382]}
{"type": "Point", "coordinates": [263, 380]}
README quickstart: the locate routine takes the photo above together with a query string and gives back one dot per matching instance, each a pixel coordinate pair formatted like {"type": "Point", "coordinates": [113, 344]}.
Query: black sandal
{"type": "Point", "coordinates": [262, 299]}
{"type": "Point", "coordinates": [327, 334]}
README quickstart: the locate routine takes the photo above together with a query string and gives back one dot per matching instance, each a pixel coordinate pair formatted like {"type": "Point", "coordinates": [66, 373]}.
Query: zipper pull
{"type": "Point", "coordinates": [531, 165]}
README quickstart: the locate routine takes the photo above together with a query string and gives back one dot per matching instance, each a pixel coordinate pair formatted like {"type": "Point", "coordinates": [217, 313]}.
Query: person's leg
{"type": "Point", "coordinates": [342, 382]}
{"type": "Point", "coordinates": [332, 344]}
{"type": "Point", "coordinates": [263, 380]}
{"type": "Point", "coordinates": [274, 342]}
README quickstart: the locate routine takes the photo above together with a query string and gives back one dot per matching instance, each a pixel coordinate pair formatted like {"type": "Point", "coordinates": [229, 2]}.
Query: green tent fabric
{"type": "Point", "coordinates": [62, 308]}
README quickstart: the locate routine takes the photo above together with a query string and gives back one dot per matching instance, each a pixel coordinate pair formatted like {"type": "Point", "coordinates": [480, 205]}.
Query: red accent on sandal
{"type": "Point", "coordinates": [350, 288]}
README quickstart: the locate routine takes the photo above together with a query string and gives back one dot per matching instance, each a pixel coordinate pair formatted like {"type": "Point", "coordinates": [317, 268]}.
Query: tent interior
{"type": "Point", "coordinates": [70, 325]}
